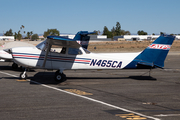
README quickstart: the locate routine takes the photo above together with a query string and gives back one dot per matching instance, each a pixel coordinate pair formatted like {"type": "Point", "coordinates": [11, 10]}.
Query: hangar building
{"type": "Point", "coordinates": [137, 37]}
{"type": "Point", "coordinates": [10, 38]}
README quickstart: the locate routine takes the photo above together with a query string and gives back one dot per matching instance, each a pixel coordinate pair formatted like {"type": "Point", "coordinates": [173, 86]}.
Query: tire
{"type": "Point", "coordinates": [14, 66]}
{"type": "Point", "coordinates": [59, 77]}
{"type": "Point", "coordinates": [23, 76]}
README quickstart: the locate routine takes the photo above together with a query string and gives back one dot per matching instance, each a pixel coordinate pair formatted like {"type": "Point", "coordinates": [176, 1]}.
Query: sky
{"type": "Point", "coordinates": [71, 16]}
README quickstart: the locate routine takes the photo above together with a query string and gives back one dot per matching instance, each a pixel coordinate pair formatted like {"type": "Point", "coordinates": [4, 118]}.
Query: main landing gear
{"type": "Point", "coordinates": [59, 76]}
{"type": "Point", "coordinates": [14, 66]}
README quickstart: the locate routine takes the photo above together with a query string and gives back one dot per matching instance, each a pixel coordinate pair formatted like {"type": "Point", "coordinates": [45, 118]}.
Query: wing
{"type": "Point", "coordinates": [62, 41]}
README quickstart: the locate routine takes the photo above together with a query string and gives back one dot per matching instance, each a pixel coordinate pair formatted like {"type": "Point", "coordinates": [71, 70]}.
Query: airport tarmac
{"type": "Point", "coordinates": [91, 94]}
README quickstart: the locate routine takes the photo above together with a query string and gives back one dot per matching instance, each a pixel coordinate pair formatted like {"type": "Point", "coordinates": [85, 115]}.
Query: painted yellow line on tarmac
{"type": "Point", "coordinates": [131, 116]}
{"type": "Point", "coordinates": [21, 80]}
{"type": "Point", "coordinates": [79, 92]}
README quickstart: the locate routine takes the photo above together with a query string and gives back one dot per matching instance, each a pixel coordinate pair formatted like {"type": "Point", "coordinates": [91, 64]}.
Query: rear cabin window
{"type": "Point", "coordinates": [74, 51]}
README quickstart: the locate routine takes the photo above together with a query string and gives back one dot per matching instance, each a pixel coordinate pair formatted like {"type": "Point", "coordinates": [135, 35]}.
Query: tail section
{"type": "Point", "coordinates": [155, 54]}
{"type": "Point", "coordinates": [83, 38]}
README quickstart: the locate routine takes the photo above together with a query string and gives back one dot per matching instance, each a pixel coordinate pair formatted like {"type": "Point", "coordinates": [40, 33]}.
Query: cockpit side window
{"type": "Point", "coordinates": [74, 51]}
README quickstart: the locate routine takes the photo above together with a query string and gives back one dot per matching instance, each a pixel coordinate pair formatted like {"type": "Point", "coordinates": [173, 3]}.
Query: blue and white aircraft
{"type": "Point", "coordinates": [73, 56]}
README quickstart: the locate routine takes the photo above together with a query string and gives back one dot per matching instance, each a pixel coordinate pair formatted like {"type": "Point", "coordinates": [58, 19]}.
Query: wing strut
{"type": "Point", "coordinates": [47, 51]}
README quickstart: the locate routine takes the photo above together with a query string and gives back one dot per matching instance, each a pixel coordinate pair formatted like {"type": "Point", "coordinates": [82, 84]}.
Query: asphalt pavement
{"type": "Point", "coordinates": [92, 94]}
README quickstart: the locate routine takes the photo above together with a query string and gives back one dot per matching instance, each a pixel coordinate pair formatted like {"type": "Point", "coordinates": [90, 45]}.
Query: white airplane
{"type": "Point", "coordinates": [73, 56]}
{"type": "Point", "coordinates": [5, 56]}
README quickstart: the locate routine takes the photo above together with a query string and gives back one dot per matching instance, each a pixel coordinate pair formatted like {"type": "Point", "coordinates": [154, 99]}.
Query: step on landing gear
{"type": "Point", "coordinates": [59, 77]}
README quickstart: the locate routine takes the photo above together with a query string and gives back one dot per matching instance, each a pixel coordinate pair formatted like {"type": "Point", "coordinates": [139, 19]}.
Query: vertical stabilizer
{"type": "Point", "coordinates": [155, 54]}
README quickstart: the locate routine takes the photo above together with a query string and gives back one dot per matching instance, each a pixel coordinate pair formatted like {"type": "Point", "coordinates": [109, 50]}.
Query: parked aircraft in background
{"type": "Point", "coordinates": [73, 56]}
{"type": "Point", "coordinates": [6, 57]}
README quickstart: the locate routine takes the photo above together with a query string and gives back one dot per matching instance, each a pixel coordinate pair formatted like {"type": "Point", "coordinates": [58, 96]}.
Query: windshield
{"type": "Point", "coordinates": [41, 45]}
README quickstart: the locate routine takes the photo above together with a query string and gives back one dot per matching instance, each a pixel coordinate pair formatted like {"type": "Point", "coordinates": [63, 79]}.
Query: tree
{"type": "Point", "coordinates": [29, 34]}
{"type": "Point", "coordinates": [107, 32]}
{"type": "Point", "coordinates": [9, 33]}
{"type": "Point", "coordinates": [45, 34]}
{"type": "Point", "coordinates": [19, 36]}
{"type": "Point", "coordinates": [113, 31]}
{"type": "Point", "coordinates": [22, 27]}
{"type": "Point", "coordinates": [95, 32]}
{"type": "Point", "coordinates": [34, 37]}
{"type": "Point", "coordinates": [141, 32]}
{"type": "Point", "coordinates": [15, 35]}
{"type": "Point", "coordinates": [53, 32]}
{"type": "Point", "coordinates": [127, 33]}
{"type": "Point", "coordinates": [123, 32]}
{"type": "Point", "coordinates": [118, 29]}
{"type": "Point", "coordinates": [161, 33]}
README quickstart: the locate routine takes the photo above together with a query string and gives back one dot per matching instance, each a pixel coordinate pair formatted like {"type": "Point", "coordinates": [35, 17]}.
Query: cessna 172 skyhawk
{"type": "Point", "coordinates": [73, 56]}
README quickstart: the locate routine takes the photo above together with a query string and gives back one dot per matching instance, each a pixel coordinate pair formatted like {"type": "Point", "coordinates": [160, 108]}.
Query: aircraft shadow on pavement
{"type": "Point", "coordinates": [131, 77]}
{"type": "Point", "coordinates": [48, 78]}
{"type": "Point", "coordinates": [143, 78]}
{"type": "Point", "coordinates": [5, 68]}
{"type": "Point", "coordinates": [43, 78]}
{"type": "Point", "coordinates": [97, 77]}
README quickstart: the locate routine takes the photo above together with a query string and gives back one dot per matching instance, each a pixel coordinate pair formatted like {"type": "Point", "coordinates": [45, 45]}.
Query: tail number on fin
{"type": "Point", "coordinates": [106, 63]}
{"type": "Point", "coordinates": [160, 46]}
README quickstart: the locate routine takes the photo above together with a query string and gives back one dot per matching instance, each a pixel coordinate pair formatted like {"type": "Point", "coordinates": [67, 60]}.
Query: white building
{"type": "Point", "coordinates": [138, 37]}
{"type": "Point", "coordinates": [178, 37]}
{"type": "Point", "coordinates": [10, 38]}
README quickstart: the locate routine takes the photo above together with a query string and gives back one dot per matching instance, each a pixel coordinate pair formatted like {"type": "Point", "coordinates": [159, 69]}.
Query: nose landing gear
{"type": "Point", "coordinates": [23, 75]}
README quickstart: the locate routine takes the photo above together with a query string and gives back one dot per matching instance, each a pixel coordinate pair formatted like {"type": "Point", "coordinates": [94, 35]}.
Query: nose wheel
{"type": "Point", "coordinates": [23, 75]}
{"type": "Point", "coordinates": [59, 77]}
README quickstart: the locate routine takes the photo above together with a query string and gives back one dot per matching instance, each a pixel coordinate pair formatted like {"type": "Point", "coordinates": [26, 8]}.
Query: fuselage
{"type": "Point", "coordinates": [32, 57]}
